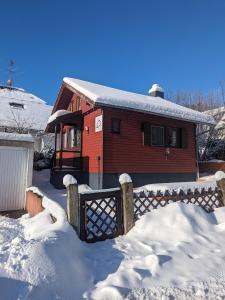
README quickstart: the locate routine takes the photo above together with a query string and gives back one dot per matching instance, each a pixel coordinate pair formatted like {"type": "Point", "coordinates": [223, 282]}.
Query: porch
{"type": "Point", "coordinates": [67, 158]}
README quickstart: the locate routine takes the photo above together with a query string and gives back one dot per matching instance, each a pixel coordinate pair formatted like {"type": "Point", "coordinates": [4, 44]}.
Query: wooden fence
{"type": "Point", "coordinates": [100, 215]}
{"type": "Point", "coordinates": [211, 167]}
{"type": "Point", "coordinates": [105, 214]}
{"type": "Point", "coordinates": [207, 199]}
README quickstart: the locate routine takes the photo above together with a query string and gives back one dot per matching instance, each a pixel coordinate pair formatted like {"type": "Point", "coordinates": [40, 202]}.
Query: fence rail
{"type": "Point", "coordinates": [100, 215]}
{"type": "Point", "coordinates": [208, 199]}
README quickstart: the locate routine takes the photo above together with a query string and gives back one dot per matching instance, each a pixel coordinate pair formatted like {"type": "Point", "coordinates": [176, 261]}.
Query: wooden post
{"type": "Point", "coordinates": [220, 181]}
{"type": "Point", "coordinates": [128, 202]}
{"type": "Point", "coordinates": [72, 200]}
{"type": "Point", "coordinates": [61, 145]}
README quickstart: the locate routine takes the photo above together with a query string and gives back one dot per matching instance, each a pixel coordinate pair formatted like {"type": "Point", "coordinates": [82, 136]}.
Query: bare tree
{"type": "Point", "coordinates": [19, 122]}
{"type": "Point", "coordinates": [222, 90]}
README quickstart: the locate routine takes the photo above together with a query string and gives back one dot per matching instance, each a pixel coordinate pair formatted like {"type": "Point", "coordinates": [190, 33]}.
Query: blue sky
{"type": "Point", "coordinates": [125, 44]}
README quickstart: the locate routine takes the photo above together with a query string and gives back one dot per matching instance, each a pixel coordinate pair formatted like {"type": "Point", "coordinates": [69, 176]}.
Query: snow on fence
{"type": "Point", "coordinates": [100, 215]}
{"type": "Point", "coordinates": [208, 199]}
{"type": "Point", "coordinates": [103, 214]}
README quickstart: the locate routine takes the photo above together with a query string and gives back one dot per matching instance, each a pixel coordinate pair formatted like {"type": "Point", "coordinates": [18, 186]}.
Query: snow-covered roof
{"type": "Point", "coordinates": [16, 137]}
{"type": "Point", "coordinates": [19, 108]}
{"type": "Point", "coordinates": [57, 114]}
{"type": "Point", "coordinates": [108, 96]}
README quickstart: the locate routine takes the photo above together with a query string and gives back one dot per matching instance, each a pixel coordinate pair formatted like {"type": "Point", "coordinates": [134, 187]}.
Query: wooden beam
{"type": "Point", "coordinates": [61, 145]}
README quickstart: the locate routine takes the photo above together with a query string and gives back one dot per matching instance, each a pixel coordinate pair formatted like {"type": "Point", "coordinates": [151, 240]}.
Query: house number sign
{"type": "Point", "coordinates": [98, 123]}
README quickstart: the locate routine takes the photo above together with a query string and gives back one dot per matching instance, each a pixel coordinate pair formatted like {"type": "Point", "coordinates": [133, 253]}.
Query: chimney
{"type": "Point", "coordinates": [156, 91]}
{"type": "Point", "coordinates": [9, 82]}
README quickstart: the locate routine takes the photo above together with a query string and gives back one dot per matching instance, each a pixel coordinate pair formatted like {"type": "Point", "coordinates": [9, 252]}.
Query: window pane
{"type": "Point", "coordinates": [71, 105]}
{"type": "Point", "coordinates": [71, 137]}
{"type": "Point", "coordinates": [157, 136]}
{"type": "Point", "coordinates": [64, 140]}
{"type": "Point", "coordinates": [115, 126]}
{"type": "Point", "coordinates": [78, 103]}
{"type": "Point", "coordinates": [172, 137]}
{"type": "Point", "coordinates": [78, 137]}
{"type": "Point", "coordinates": [58, 142]}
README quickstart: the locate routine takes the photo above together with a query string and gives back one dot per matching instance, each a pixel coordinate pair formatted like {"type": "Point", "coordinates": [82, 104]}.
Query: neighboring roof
{"type": "Point", "coordinates": [108, 96]}
{"type": "Point", "coordinates": [16, 137]}
{"type": "Point", "coordinates": [18, 107]}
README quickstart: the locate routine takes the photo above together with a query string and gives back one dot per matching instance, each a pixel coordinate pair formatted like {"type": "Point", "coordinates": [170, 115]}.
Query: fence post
{"type": "Point", "coordinates": [220, 181]}
{"type": "Point", "coordinates": [126, 186]}
{"type": "Point", "coordinates": [72, 200]}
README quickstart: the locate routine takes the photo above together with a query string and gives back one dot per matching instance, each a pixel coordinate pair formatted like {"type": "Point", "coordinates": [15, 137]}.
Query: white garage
{"type": "Point", "coordinates": [16, 168]}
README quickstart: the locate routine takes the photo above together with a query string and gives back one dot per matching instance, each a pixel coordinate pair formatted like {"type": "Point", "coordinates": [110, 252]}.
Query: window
{"type": "Point", "coordinates": [16, 105]}
{"type": "Point", "coordinates": [157, 136]}
{"type": "Point", "coordinates": [64, 140]}
{"type": "Point", "coordinates": [71, 105]}
{"type": "Point", "coordinates": [174, 137]}
{"type": "Point", "coordinates": [78, 103]}
{"type": "Point", "coordinates": [71, 138]}
{"type": "Point", "coordinates": [115, 126]}
{"type": "Point", "coordinates": [58, 142]}
{"type": "Point", "coordinates": [154, 135]}
{"type": "Point", "coordinates": [78, 137]}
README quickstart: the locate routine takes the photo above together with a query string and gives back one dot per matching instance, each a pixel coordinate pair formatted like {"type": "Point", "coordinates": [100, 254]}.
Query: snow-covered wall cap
{"type": "Point", "coordinates": [57, 114]}
{"type": "Point", "coordinates": [156, 88]}
{"type": "Point", "coordinates": [124, 178]}
{"type": "Point", "coordinates": [16, 137]}
{"type": "Point", "coordinates": [68, 180]}
{"type": "Point", "coordinates": [219, 175]}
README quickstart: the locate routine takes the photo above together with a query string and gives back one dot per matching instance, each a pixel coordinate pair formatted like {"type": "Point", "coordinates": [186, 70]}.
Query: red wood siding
{"type": "Point", "coordinates": [125, 152]}
{"type": "Point", "coordinates": [92, 142]}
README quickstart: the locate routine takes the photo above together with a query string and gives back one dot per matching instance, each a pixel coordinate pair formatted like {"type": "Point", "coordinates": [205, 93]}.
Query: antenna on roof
{"type": "Point", "coordinates": [11, 71]}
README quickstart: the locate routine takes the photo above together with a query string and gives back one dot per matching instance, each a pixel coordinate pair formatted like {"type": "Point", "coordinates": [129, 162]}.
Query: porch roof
{"type": "Point", "coordinates": [70, 119]}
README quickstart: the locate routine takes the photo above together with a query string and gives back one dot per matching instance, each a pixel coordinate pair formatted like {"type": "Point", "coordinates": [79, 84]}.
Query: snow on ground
{"type": "Point", "coordinates": [42, 267]}
{"type": "Point", "coordinates": [205, 182]}
{"type": "Point", "coordinates": [175, 252]}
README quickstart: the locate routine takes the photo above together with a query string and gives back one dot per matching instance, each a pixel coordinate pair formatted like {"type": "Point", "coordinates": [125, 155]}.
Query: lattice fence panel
{"type": "Point", "coordinates": [146, 201]}
{"type": "Point", "coordinates": [102, 215]}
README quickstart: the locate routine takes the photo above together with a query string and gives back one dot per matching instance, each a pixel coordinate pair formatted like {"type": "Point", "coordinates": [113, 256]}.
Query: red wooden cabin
{"type": "Point", "coordinates": [101, 132]}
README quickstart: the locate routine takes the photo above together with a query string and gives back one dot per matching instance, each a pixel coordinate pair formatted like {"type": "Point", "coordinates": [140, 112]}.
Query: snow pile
{"type": "Point", "coordinates": [52, 208]}
{"type": "Point", "coordinates": [58, 113]}
{"type": "Point", "coordinates": [219, 175]}
{"type": "Point", "coordinates": [68, 180]}
{"type": "Point", "coordinates": [16, 137]}
{"type": "Point", "coordinates": [173, 252]}
{"type": "Point", "coordinates": [214, 289]}
{"type": "Point", "coordinates": [44, 266]}
{"type": "Point", "coordinates": [170, 248]}
{"type": "Point", "coordinates": [155, 105]}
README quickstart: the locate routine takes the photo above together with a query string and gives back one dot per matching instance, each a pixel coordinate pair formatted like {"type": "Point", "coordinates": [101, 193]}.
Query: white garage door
{"type": "Point", "coordinates": [13, 176]}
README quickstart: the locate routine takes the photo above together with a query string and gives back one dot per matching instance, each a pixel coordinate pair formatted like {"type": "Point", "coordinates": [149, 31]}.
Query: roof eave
{"type": "Point", "coordinates": [155, 114]}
